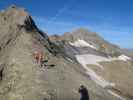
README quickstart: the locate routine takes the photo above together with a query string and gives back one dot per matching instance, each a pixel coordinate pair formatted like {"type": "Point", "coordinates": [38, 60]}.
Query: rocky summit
{"type": "Point", "coordinates": [35, 66]}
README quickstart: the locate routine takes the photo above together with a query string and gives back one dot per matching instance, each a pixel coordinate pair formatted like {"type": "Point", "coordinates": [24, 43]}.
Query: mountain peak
{"type": "Point", "coordinates": [84, 31]}
{"type": "Point", "coordinates": [19, 17]}
{"type": "Point", "coordinates": [13, 6]}
{"type": "Point", "coordinates": [15, 21]}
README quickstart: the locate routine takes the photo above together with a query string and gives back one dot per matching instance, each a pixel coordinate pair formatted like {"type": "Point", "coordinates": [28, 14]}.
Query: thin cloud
{"type": "Point", "coordinates": [61, 11]}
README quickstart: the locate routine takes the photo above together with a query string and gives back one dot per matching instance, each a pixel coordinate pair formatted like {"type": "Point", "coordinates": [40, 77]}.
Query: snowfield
{"type": "Point", "coordinates": [93, 59]}
{"type": "Point", "coordinates": [124, 57]}
{"type": "Point", "coordinates": [82, 43]}
{"type": "Point", "coordinates": [116, 95]}
{"type": "Point", "coordinates": [86, 59]}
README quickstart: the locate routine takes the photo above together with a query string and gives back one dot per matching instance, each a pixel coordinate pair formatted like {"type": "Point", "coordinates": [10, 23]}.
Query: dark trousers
{"type": "Point", "coordinates": [84, 98]}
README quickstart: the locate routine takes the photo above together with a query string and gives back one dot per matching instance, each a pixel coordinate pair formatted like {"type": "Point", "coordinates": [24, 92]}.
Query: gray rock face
{"type": "Point", "coordinates": [94, 39]}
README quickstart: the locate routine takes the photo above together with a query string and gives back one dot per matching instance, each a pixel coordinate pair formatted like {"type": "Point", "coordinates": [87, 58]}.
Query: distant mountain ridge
{"type": "Point", "coordinates": [130, 50]}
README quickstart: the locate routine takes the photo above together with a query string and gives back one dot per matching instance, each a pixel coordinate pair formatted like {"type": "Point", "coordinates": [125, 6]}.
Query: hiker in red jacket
{"type": "Point", "coordinates": [38, 56]}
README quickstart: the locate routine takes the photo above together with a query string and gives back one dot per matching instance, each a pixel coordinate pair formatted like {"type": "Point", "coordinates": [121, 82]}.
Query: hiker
{"type": "Point", "coordinates": [84, 93]}
{"type": "Point", "coordinates": [1, 73]}
{"type": "Point", "coordinates": [38, 56]}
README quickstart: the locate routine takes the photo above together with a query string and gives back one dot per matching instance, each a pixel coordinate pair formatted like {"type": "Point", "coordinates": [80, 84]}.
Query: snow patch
{"type": "Point", "coordinates": [116, 95]}
{"type": "Point", "coordinates": [92, 59]}
{"type": "Point", "coordinates": [82, 43]}
{"type": "Point", "coordinates": [123, 57]}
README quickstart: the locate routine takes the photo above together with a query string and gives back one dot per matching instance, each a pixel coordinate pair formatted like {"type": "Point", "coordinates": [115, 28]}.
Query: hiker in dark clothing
{"type": "Point", "coordinates": [84, 93]}
{"type": "Point", "coordinates": [1, 73]}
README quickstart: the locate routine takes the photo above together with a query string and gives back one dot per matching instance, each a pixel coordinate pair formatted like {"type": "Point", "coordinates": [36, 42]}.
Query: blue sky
{"type": "Point", "coordinates": [112, 19]}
